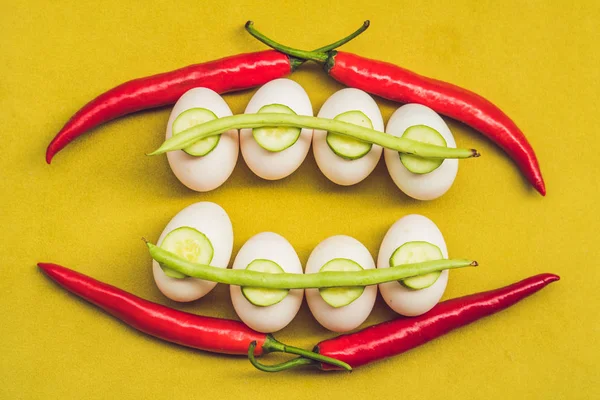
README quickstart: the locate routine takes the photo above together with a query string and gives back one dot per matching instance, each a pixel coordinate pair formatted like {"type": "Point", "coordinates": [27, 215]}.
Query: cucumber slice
{"type": "Point", "coordinates": [414, 252]}
{"type": "Point", "coordinates": [188, 243]}
{"type": "Point", "coordinates": [344, 146]}
{"type": "Point", "coordinates": [260, 296]}
{"type": "Point", "coordinates": [341, 296]}
{"type": "Point", "coordinates": [424, 134]}
{"type": "Point", "coordinates": [193, 117]}
{"type": "Point", "coordinates": [276, 138]}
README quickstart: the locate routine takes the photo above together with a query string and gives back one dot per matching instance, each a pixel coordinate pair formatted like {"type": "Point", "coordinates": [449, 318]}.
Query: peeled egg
{"type": "Point", "coordinates": [267, 246]}
{"type": "Point", "coordinates": [211, 220]}
{"type": "Point", "coordinates": [337, 169]}
{"type": "Point", "coordinates": [420, 186]}
{"type": "Point", "coordinates": [277, 165]}
{"type": "Point", "coordinates": [212, 170]}
{"type": "Point", "coordinates": [401, 299]}
{"type": "Point", "coordinates": [348, 317]}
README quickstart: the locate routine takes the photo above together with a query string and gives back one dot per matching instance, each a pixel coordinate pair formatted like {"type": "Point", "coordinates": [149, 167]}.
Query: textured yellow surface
{"type": "Point", "coordinates": [89, 209]}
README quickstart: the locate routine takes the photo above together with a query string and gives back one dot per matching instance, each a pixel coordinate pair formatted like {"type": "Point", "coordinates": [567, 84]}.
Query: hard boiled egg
{"type": "Point", "coordinates": [420, 186]}
{"type": "Point", "coordinates": [337, 169]}
{"type": "Point", "coordinates": [348, 317]}
{"type": "Point", "coordinates": [210, 171]}
{"type": "Point", "coordinates": [401, 299]}
{"type": "Point", "coordinates": [277, 165]}
{"type": "Point", "coordinates": [212, 221]}
{"type": "Point", "coordinates": [273, 247]}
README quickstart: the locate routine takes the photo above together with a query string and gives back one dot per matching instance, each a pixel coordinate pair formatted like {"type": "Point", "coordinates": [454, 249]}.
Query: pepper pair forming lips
{"type": "Point", "coordinates": [254, 69]}
{"type": "Point", "coordinates": [343, 352]}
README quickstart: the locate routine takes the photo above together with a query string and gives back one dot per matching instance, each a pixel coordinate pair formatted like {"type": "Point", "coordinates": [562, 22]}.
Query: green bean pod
{"type": "Point", "coordinates": [218, 126]}
{"type": "Point", "coordinates": [243, 277]}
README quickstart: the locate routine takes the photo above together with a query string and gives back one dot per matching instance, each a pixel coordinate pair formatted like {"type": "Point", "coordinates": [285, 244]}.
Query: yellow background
{"type": "Point", "coordinates": [88, 210]}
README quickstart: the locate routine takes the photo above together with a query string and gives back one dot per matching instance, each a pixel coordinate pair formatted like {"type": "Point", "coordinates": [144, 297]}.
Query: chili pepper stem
{"type": "Point", "coordinates": [272, 345]}
{"type": "Point", "coordinates": [293, 363]}
{"type": "Point", "coordinates": [402, 145]}
{"type": "Point", "coordinates": [316, 55]}
{"type": "Point", "coordinates": [296, 62]}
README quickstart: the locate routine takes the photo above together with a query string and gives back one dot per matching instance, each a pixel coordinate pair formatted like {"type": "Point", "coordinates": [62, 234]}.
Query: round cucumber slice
{"type": "Point", "coordinates": [344, 146]}
{"type": "Point", "coordinates": [276, 138]}
{"type": "Point", "coordinates": [341, 296]}
{"type": "Point", "coordinates": [424, 134]}
{"type": "Point", "coordinates": [193, 117]}
{"type": "Point", "coordinates": [190, 244]}
{"type": "Point", "coordinates": [260, 296]}
{"type": "Point", "coordinates": [414, 252]}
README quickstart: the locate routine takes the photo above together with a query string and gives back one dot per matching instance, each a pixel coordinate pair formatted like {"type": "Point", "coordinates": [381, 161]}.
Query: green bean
{"type": "Point", "coordinates": [243, 277]}
{"type": "Point", "coordinates": [218, 126]}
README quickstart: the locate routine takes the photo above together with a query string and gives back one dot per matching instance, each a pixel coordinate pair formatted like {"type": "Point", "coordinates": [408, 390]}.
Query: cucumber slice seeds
{"type": "Point", "coordinates": [190, 244]}
{"type": "Point", "coordinates": [193, 117]}
{"type": "Point", "coordinates": [344, 146]}
{"type": "Point", "coordinates": [274, 138]}
{"type": "Point", "coordinates": [414, 252]}
{"type": "Point", "coordinates": [260, 296]}
{"type": "Point", "coordinates": [341, 296]}
{"type": "Point", "coordinates": [424, 134]}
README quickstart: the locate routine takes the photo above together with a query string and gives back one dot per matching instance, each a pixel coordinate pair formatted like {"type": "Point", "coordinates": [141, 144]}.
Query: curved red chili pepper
{"type": "Point", "coordinates": [229, 74]}
{"type": "Point", "coordinates": [204, 333]}
{"type": "Point", "coordinates": [239, 72]}
{"type": "Point", "coordinates": [395, 337]}
{"type": "Point", "coordinates": [398, 84]}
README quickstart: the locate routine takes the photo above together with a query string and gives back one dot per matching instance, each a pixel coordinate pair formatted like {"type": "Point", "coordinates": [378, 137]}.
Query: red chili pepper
{"type": "Point", "coordinates": [398, 84]}
{"type": "Point", "coordinates": [239, 72]}
{"type": "Point", "coordinates": [395, 337]}
{"type": "Point", "coordinates": [204, 333]}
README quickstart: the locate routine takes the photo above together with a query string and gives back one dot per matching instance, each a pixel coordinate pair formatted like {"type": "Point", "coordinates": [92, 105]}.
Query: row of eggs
{"type": "Point", "coordinates": [213, 221]}
{"type": "Point", "coordinates": [212, 170]}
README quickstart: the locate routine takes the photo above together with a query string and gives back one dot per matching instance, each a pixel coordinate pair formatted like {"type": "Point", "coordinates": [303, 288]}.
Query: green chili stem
{"type": "Point", "coordinates": [319, 55]}
{"type": "Point", "coordinates": [296, 362]}
{"type": "Point", "coordinates": [244, 277]}
{"type": "Point", "coordinates": [220, 125]}
{"type": "Point", "coordinates": [337, 44]}
{"type": "Point", "coordinates": [272, 345]}
{"type": "Point", "coordinates": [296, 62]}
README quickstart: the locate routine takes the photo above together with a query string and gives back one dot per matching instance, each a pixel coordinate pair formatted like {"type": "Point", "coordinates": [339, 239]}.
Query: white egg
{"type": "Point", "coordinates": [214, 223]}
{"type": "Point", "coordinates": [337, 169]}
{"type": "Point", "coordinates": [212, 170]}
{"type": "Point", "coordinates": [401, 299]}
{"type": "Point", "coordinates": [277, 165]}
{"type": "Point", "coordinates": [348, 317]}
{"type": "Point", "coordinates": [268, 246]}
{"type": "Point", "coordinates": [420, 186]}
